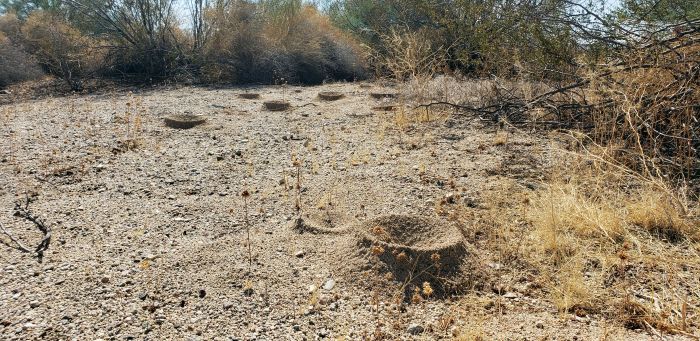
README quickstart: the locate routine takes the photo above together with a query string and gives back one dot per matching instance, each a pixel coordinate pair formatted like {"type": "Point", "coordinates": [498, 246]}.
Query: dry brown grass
{"type": "Point", "coordinates": [599, 236]}
{"type": "Point", "coordinates": [595, 238]}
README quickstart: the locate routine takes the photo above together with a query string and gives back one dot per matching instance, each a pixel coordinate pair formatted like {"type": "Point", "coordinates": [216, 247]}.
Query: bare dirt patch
{"type": "Point", "coordinates": [151, 242]}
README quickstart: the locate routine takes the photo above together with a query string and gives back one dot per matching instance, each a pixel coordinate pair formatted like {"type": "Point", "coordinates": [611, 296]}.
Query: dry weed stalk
{"type": "Point", "coordinates": [245, 194]}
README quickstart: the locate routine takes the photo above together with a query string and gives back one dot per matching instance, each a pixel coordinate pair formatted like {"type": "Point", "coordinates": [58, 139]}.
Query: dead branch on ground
{"type": "Point", "coordinates": [22, 211]}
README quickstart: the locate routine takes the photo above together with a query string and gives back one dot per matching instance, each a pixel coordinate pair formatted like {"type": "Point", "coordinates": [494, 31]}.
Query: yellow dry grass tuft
{"type": "Point", "coordinates": [655, 212]}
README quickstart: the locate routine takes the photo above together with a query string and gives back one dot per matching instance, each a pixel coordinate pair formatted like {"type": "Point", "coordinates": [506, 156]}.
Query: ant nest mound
{"type": "Point", "coordinates": [302, 225]}
{"type": "Point", "coordinates": [184, 121]}
{"type": "Point", "coordinates": [276, 105]}
{"type": "Point", "coordinates": [383, 95]}
{"type": "Point", "coordinates": [249, 95]}
{"type": "Point", "coordinates": [414, 247]}
{"type": "Point", "coordinates": [330, 95]}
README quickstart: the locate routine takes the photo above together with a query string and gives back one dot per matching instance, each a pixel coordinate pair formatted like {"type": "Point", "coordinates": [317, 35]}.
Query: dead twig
{"type": "Point", "coordinates": [22, 210]}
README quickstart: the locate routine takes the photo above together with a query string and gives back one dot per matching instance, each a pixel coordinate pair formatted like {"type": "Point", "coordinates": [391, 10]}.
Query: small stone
{"type": "Point", "coordinates": [510, 295]}
{"type": "Point", "coordinates": [312, 289]}
{"type": "Point", "coordinates": [296, 327]}
{"type": "Point", "coordinates": [539, 324]}
{"type": "Point", "coordinates": [415, 329]}
{"type": "Point", "coordinates": [105, 279]}
{"type": "Point", "coordinates": [34, 304]}
{"type": "Point", "coordinates": [202, 293]}
{"type": "Point", "coordinates": [300, 254]}
{"type": "Point", "coordinates": [329, 285]}
{"type": "Point", "coordinates": [228, 305]}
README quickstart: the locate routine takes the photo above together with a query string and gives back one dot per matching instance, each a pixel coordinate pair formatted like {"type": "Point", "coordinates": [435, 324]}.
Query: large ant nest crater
{"type": "Point", "coordinates": [184, 121]}
{"type": "Point", "coordinates": [414, 248]}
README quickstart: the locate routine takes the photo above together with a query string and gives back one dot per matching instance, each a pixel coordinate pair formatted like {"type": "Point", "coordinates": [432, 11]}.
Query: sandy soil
{"type": "Point", "coordinates": [151, 243]}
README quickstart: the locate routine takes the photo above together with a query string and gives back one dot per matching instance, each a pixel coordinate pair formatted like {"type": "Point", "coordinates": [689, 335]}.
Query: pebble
{"type": "Point", "coordinates": [329, 285]}
{"type": "Point", "coordinates": [415, 329]}
{"type": "Point", "coordinates": [34, 304]}
{"type": "Point", "coordinates": [312, 289]}
{"type": "Point", "coordinates": [300, 254]}
{"type": "Point", "coordinates": [510, 295]}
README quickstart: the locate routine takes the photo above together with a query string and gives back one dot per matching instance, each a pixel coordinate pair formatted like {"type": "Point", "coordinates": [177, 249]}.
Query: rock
{"type": "Point", "coordinates": [415, 329]}
{"type": "Point", "coordinates": [329, 285]}
{"type": "Point", "coordinates": [510, 295]}
{"type": "Point", "coordinates": [539, 324]}
{"type": "Point", "coordinates": [300, 254]}
{"type": "Point", "coordinates": [34, 304]}
{"type": "Point", "coordinates": [105, 279]}
{"type": "Point", "coordinates": [296, 327]}
{"type": "Point", "coordinates": [312, 289]}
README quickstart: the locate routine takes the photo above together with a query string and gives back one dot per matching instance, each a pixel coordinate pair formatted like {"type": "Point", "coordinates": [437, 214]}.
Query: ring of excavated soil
{"type": "Point", "coordinates": [276, 105]}
{"type": "Point", "coordinates": [248, 95]}
{"type": "Point", "coordinates": [330, 95]}
{"type": "Point", "coordinates": [382, 95]}
{"type": "Point", "coordinates": [405, 241]}
{"type": "Point", "coordinates": [184, 121]}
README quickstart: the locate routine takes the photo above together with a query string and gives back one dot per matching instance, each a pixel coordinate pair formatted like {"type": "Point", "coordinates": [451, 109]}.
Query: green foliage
{"type": "Point", "coordinates": [480, 38]}
{"type": "Point", "coordinates": [660, 11]}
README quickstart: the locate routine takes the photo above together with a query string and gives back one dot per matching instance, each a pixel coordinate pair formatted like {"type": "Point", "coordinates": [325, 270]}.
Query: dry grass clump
{"type": "Point", "coordinates": [599, 236]}
{"type": "Point", "coordinates": [594, 239]}
{"type": "Point", "coordinates": [655, 212]}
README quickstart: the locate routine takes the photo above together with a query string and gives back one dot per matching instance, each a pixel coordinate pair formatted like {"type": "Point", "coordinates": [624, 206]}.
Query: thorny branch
{"type": "Point", "coordinates": [22, 210]}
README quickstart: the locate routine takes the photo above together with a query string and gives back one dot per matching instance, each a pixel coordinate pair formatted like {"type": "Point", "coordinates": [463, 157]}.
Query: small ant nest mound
{"type": "Point", "coordinates": [276, 105]}
{"type": "Point", "coordinates": [414, 248]}
{"type": "Point", "coordinates": [382, 95]}
{"type": "Point", "coordinates": [330, 95]}
{"type": "Point", "coordinates": [301, 225]}
{"type": "Point", "coordinates": [385, 107]}
{"type": "Point", "coordinates": [249, 95]}
{"type": "Point", "coordinates": [184, 121]}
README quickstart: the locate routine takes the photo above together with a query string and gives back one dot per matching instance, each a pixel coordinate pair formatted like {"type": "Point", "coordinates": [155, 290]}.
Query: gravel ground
{"type": "Point", "coordinates": [150, 240]}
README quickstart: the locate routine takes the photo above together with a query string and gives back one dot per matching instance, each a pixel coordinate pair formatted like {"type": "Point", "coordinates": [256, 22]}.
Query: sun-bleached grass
{"type": "Point", "coordinates": [598, 236]}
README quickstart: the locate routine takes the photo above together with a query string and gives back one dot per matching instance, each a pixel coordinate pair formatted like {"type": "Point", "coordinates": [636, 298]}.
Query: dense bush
{"type": "Point", "coordinates": [15, 64]}
{"type": "Point", "coordinates": [477, 38]}
{"type": "Point", "coordinates": [61, 48]}
{"type": "Point", "coordinates": [259, 43]}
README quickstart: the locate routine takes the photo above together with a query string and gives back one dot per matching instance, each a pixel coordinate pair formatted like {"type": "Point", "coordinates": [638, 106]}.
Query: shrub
{"type": "Point", "coordinates": [272, 44]}
{"type": "Point", "coordinates": [15, 64]}
{"type": "Point", "coordinates": [62, 49]}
